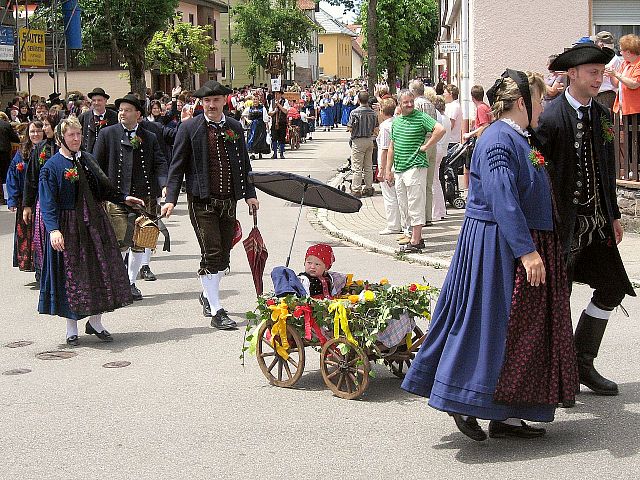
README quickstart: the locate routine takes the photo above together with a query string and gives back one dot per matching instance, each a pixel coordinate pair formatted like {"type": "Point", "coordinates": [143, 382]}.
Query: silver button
{"type": "Point", "coordinates": [578, 184]}
{"type": "Point", "coordinates": [575, 201]}
{"type": "Point", "coordinates": [579, 126]}
{"type": "Point", "coordinates": [577, 144]}
{"type": "Point", "coordinates": [579, 135]}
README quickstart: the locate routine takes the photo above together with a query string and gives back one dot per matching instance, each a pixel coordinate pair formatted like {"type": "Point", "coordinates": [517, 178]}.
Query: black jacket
{"type": "Point", "coordinates": [114, 153]}
{"type": "Point", "coordinates": [191, 160]}
{"type": "Point", "coordinates": [7, 136]}
{"type": "Point", "coordinates": [560, 142]}
{"type": "Point", "coordinates": [90, 130]}
{"type": "Point", "coordinates": [32, 174]}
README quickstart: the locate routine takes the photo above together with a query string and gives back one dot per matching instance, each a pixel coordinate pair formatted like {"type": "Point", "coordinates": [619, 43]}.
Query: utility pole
{"type": "Point", "coordinates": [229, 68]}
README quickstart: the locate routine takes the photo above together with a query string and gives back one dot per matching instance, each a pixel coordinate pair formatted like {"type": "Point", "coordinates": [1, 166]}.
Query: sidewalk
{"type": "Point", "coordinates": [362, 229]}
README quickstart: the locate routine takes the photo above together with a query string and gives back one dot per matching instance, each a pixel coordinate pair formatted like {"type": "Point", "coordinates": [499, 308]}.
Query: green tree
{"type": "Point", "coordinates": [182, 49]}
{"type": "Point", "coordinates": [406, 31]}
{"type": "Point", "coordinates": [262, 26]}
{"type": "Point", "coordinates": [126, 27]}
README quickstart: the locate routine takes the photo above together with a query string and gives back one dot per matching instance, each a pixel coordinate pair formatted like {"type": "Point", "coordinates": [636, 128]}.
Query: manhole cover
{"type": "Point", "coordinates": [16, 371]}
{"type": "Point", "coordinates": [119, 364]}
{"type": "Point", "coordinates": [55, 355]}
{"type": "Point", "coordinates": [18, 344]}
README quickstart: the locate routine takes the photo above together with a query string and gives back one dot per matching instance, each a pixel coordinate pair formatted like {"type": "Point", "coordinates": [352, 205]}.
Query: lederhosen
{"type": "Point", "coordinates": [214, 218]}
{"type": "Point", "coordinates": [591, 225]}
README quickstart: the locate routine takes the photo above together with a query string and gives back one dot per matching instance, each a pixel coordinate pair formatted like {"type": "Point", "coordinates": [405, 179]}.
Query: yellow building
{"type": "Point", "coordinates": [334, 47]}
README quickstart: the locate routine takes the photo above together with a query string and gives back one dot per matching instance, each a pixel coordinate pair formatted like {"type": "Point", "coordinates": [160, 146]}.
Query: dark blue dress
{"type": "Point", "coordinates": [458, 365]}
{"type": "Point", "coordinates": [88, 277]}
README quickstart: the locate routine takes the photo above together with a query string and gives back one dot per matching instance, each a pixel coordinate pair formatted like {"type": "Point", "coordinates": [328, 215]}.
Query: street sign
{"type": "Point", "coordinates": [449, 47]}
{"type": "Point", "coordinates": [32, 47]}
{"type": "Point", "coordinates": [7, 42]}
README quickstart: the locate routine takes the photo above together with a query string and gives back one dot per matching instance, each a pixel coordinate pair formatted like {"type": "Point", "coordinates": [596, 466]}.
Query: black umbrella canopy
{"type": "Point", "coordinates": [292, 187]}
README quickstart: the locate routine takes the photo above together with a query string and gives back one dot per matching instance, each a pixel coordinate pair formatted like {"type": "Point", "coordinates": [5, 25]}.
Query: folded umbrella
{"type": "Point", "coordinates": [256, 253]}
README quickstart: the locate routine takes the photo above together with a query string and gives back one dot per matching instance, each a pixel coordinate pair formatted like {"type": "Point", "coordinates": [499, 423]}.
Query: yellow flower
{"type": "Point", "coordinates": [353, 298]}
{"type": "Point", "coordinates": [349, 279]}
{"type": "Point", "coordinates": [422, 287]}
{"type": "Point", "coordinates": [359, 282]}
{"type": "Point", "coordinates": [384, 281]}
{"type": "Point", "coordinates": [369, 296]}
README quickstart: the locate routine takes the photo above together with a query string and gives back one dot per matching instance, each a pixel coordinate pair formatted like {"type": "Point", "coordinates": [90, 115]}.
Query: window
{"type": "Point", "coordinates": [191, 18]}
{"type": "Point", "coordinates": [214, 29]}
{"type": "Point", "coordinates": [223, 67]}
{"type": "Point", "coordinates": [320, 48]}
{"type": "Point", "coordinates": [321, 70]}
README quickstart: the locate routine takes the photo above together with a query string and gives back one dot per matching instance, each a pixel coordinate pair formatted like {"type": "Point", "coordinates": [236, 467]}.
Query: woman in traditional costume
{"type": "Point", "coordinates": [23, 237]}
{"type": "Point", "coordinates": [500, 345]}
{"type": "Point", "coordinates": [258, 117]}
{"type": "Point", "coordinates": [82, 271]}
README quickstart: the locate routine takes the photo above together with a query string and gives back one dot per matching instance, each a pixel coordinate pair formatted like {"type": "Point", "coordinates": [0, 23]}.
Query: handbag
{"type": "Point", "coordinates": [145, 233]}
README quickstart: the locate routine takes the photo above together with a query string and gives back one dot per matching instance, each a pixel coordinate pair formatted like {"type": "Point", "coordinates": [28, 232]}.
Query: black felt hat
{"type": "Point", "coordinates": [131, 99]}
{"type": "Point", "coordinates": [98, 91]}
{"type": "Point", "coordinates": [581, 54]}
{"type": "Point", "coordinates": [211, 88]}
{"type": "Point", "coordinates": [54, 96]}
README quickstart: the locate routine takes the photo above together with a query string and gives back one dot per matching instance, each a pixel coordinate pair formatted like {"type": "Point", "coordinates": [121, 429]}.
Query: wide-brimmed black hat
{"type": "Point", "coordinates": [131, 99]}
{"type": "Point", "coordinates": [212, 88]}
{"type": "Point", "coordinates": [54, 96]}
{"type": "Point", "coordinates": [98, 91]}
{"type": "Point", "coordinates": [581, 54]}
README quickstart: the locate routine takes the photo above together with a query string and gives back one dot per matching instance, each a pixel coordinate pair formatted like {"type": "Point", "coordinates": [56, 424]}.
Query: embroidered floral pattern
{"type": "Point", "coordinates": [608, 133]}
{"type": "Point", "coordinates": [230, 135]}
{"type": "Point", "coordinates": [71, 174]}
{"type": "Point", "coordinates": [136, 142]}
{"type": "Point", "coordinates": [536, 158]}
{"type": "Point", "coordinates": [43, 155]}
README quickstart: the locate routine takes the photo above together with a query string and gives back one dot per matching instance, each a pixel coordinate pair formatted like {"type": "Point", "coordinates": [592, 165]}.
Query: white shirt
{"type": "Point", "coordinates": [613, 64]}
{"type": "Point", "coordinates": [453, 110]}
{"type": "Point", "coordinates": [384, 137]}
{"type": "Point", "coordinates": [443, 143]}
{"type": "Point", "coordinates": [575, 104]}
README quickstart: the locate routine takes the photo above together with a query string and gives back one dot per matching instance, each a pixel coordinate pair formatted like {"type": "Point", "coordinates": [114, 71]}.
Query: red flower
{"type": "Point", "coordinates": [270, 302]}
{"type": "Point", "coordinates": [20, 166]}
{"type": "Point", "coordinates": [413, 287]}
{"type": "Point", "coordinates": [536, 158]}
{"type": "Point", "coordinates": [71, 174]}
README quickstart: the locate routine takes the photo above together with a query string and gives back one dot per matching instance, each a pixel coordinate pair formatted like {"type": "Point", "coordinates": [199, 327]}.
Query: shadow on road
{"type": "Point", "coordinates": [125, 340]}
{"type": "Point", "coordinates": [611, 427]}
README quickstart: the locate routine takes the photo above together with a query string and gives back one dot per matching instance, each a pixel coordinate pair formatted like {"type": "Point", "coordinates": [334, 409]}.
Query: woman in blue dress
{"type": "Point", "coordinates": [326, 112]}
{"type": "Point", "coordinates": [258, 117]}
{"type": "Point", "coordinates": [23, 237]}
{"type": "Point", "coordinates": [82, 271]}
{"type": "Point", "coordinates": [500, 344]}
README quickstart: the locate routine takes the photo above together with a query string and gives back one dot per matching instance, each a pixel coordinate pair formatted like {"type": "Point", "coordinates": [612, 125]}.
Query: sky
{"type": "Point", "coordinates": [337, 12]}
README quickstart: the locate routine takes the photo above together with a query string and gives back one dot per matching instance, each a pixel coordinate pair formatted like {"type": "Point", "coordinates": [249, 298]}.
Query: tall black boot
{"type": "Point", "coordinates": [588, 337]}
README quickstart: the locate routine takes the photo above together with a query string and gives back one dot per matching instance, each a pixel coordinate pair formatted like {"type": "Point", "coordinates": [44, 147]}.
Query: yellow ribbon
{"type": "Point", "coordinates": [340, 321]}
{"type": "Point", "coordinates": [279, 314]}
{"type": "Point", "coordinates": [409, 341]}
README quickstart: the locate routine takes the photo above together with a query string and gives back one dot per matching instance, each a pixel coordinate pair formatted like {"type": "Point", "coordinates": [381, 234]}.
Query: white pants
{"type": "Point", "coordinates": [439, 207]}
{"type": "Point", "coordinates": [391, 209]}
{"type": "Point", "coordinates": [412, 195]}
{"type": "Point", "coordinates": [431, 171]}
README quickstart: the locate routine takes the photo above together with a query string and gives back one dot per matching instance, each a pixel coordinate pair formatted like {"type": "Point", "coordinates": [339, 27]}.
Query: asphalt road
{"type": "Point", "coordinates": [187, 408]}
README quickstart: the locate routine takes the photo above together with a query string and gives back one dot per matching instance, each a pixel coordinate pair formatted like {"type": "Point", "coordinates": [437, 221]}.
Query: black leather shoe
{"type": "Point", "coordinates": [206, 308]}
{"type": "Point", "coordinates": [103, 335]}
{"type": "Point", "coordinates": [147, 274]}
{"type": "Point", "coordinates": [73, 341]}
{"type": "Point", "coordinates": [222, 321]}
{"type": "Point", "coordinates": [502, 430]}
{"type": "Point", "coordinates": [135, 293]}
{"type": "Point", "coordinates": [469, 427]}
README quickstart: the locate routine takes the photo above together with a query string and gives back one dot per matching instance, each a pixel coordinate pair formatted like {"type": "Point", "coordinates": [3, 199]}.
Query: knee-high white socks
{"type": "Point", "coordinates": [596, 312]}
{"type": "Point", "coordinates": [135, 262]}
{"type": "Point", "coordinates": [211, 289]}
{"type": "Point", "coordinates": [96, 322]}
{"type": "Point", "coordinates": [146, 257]}
{"type": "Point", "coordinates": [72, 328]}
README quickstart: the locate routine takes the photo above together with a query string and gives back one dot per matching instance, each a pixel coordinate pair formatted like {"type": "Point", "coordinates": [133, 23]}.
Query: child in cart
{"type": "Point", "coordinates": [316, 279]}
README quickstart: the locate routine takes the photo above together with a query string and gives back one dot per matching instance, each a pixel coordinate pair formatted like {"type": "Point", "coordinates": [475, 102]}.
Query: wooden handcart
{"type": "Point", "coordinates": [344, 365]}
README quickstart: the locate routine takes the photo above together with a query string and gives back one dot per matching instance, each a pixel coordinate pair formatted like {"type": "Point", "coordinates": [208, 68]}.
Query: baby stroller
{"type": "Point", "coordinates": [450, 168]}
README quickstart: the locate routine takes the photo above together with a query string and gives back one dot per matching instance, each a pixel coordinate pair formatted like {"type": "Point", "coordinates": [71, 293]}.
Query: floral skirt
{"type": "Point", "coordinates": [89, 277]}
{"type": "Point", "coordinates": [39, 237]}
{"type": "Point", "coordinates": [23, 243]}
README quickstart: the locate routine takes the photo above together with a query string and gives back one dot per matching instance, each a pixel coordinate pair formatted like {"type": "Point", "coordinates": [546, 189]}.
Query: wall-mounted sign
{"type": "Point", "coordinates": [449, 47]}
{"type": "Point", "coordinates": [7, 42]}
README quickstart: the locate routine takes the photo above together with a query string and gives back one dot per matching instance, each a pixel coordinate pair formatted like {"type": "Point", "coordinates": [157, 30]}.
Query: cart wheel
{"type": "Point", "coordinates": [280, 372]}
{"type": "Point", "coordinates": [459, 203]}
{"type": "Point", "coordinates": [399, 367]}
{"type": "Point", "coordinates": [346, 374]}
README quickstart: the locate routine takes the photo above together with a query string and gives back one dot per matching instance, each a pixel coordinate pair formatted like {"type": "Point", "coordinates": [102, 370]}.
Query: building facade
{"type": "Point", "coordinates": [334, 48]}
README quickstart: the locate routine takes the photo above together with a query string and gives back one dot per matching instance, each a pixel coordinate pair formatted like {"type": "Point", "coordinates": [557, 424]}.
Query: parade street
{"type": "Point", "coordinates": [186, 407]}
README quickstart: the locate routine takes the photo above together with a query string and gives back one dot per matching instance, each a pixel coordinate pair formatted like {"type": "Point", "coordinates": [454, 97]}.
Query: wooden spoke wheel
{"type": "Point", "coordinates": [399, 366]}
{"type": "Point", "coordinates": [278, 370]}
{"type": "Point", "coordinates": [345, 368]}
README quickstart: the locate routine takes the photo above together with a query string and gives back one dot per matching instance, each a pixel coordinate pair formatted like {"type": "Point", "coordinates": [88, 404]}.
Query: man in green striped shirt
{"type": "Point", "coordinates": [409, 172]}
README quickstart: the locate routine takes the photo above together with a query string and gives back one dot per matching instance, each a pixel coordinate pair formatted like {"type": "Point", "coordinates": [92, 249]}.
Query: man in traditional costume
{"type": "Point", "coordinates": [211, 152]}
{"type": "Point", "coordinates": [96, 118]}
{"type": "Point", "coordinates": [576, 138]}
{"type": "Point", "coordinates": [134, 162]}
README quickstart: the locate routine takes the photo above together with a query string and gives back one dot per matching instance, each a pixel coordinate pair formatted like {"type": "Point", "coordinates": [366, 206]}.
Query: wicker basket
{"type": "Point", "coordinates": [145, 233]}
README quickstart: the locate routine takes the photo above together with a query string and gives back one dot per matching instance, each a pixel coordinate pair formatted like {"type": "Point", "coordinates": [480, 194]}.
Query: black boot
{"type": "Point", "coordinates": [588, 337]}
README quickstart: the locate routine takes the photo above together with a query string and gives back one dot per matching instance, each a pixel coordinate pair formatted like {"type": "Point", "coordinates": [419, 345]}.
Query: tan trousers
{"type": "Point", "coordinates": [361, 163]}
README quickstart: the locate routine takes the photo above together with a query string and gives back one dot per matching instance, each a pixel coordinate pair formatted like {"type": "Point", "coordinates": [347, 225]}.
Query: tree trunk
{"type": "Point", "coordinates": [137, 80]}
{"type": "Point", "coordinates": [392, 73]}
{"type": "Point", "coordinates": [186, 81]}
{"type": "Point", "coordinates": [372, 45]}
